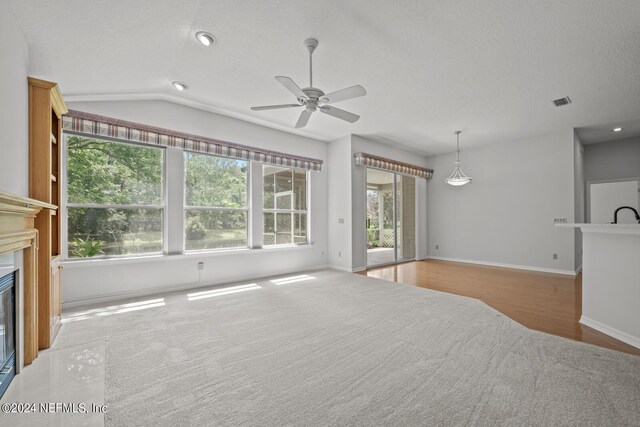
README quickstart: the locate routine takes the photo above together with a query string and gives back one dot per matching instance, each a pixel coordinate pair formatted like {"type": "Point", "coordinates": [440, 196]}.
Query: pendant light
{"type": "Point", "coordinates": [458, 177]}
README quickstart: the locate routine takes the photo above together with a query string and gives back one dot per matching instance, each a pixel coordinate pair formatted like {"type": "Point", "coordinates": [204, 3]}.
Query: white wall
{"type": "Point", "coordinates": [14, 142]}
{"type": "Point", "coordinates": [579, 190]}
{"type": "Point", "coordinates": [612, 160]}
{"type": "Point", "coordinates": [505, 216]}
{"type": "Point", "coordinates": [104, 279]}
{"type": "Point", "coordinates": [339, 169]}
{"type": "Point", "coordinates": [14, 105]}
{"type": "Point", "coordinates": [358, 201]}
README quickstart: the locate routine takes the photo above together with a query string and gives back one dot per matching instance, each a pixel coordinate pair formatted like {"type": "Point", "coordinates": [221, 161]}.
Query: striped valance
{"type": "Point", "coordinates": [100, 126]}
{"type": "Point", "coordinates": [364, 159]}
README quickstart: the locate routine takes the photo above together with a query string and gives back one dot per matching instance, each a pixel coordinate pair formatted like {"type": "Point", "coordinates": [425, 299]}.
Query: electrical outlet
{"type": "Point", "coordinates": [322, 253]}
{"type": "Point", "coordinates": [200, 266]}
{"type": "Point", "coordinates": [437, 246]}
{"type": "Point", "coordinates": [339, 254]}
{"type": "Point", "coordinates": [340, 220]}
{"type": "Point", "coordinates": [555, 256]}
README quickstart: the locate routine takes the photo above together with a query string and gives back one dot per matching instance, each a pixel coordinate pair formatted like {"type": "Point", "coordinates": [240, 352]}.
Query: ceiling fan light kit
{"type": "Point", "coordinates": [457, 177]}
{"type": "Point", "coordinates": [314, 99]}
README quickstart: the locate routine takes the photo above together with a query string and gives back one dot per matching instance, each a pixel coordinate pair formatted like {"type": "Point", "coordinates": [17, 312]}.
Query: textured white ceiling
{"type": "Point", "coordinates": [488, 68]}
{"type": "Point", "coordinates": [604, 133]}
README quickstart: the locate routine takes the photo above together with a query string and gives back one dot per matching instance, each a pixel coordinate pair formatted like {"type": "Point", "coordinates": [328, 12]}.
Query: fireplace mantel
{"type": "Point", "coordinates": [17, 232]}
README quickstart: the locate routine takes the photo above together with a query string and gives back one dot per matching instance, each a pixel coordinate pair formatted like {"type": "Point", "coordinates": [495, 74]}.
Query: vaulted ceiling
{"type": "Point", "coordinates": [488, 68]}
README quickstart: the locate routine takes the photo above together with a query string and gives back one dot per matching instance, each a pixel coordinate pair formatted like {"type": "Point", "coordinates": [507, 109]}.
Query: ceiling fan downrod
{"type": "Point", "coordinates": [311, 45]}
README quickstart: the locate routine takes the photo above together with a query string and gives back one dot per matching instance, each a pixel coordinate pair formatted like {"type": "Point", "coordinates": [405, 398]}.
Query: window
{"type": "Point", "coordinates": [123, 195]}
{"type": "Point", "coordinates": [115, 200]}
{"type": "Point", "coordinates": [215, 202]}
{"type": "Point", "coordinates": [285, 205]}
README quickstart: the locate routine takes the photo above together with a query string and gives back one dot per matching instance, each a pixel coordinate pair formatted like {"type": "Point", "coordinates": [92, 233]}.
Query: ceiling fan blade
{"type": "Point", "coordinates": [304, 118]}
{"type": "Point", "coordinates": [341, 114]}
{"type": "Point", "coordinates": [274, 107]}
{"type": "Point", "coordinates": [291, 86]}
{"type": "Point", "coordinates": [344, 94]}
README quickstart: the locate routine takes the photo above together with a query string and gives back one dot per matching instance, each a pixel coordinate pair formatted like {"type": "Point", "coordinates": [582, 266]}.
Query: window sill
{"type": "Point", "coordinates": [182, 256]}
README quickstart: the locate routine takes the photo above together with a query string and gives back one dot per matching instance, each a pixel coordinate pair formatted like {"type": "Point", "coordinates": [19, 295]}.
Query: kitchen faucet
{"type": "Point", "coordinates": [615, 215]}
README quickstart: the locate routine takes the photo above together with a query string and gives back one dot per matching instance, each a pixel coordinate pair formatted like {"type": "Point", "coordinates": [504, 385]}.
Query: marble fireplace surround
{"type": "Point", "coordinates": [17, 234]}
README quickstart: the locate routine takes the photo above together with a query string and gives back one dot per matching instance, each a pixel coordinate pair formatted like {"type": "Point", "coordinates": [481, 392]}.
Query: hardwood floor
{"type": "Point", "coordinates": [546, 302]}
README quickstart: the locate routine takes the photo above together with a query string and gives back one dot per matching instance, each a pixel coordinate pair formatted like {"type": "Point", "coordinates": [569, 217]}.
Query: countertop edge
{"type": "Point", "coordinates": [604, 228]}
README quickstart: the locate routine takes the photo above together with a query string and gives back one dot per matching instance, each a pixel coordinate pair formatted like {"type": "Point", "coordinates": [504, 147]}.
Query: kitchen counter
{"type": "Point", "coordinates": [611, 279]}
{"type": "Point", "coordinates": [605, 228]}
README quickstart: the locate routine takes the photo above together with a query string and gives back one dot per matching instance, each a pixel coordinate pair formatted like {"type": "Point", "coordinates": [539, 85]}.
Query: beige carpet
{"type": "Point", "coordinates": [332, 348]}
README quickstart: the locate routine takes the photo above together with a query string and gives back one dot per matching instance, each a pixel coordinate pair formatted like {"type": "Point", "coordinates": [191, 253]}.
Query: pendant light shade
{"type": "Point", "coordinates": [457, 177]}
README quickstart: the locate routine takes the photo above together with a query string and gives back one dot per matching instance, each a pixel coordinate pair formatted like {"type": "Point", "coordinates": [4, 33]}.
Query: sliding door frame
{"type": "Point", "coordinates": [395, 223]}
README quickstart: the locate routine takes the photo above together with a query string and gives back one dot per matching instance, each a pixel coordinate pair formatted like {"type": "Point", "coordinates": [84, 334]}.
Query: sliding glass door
{"type": "Point", "coordinates": [390, 221]}
{"type": "Point", "coordinates": [380, 217]}
{"type": "Point", "coordinates": [405, 217]}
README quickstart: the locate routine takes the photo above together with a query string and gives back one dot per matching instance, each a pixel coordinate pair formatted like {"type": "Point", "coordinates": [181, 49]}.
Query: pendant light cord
{"type": "Point", "coordinates": [458, 145]}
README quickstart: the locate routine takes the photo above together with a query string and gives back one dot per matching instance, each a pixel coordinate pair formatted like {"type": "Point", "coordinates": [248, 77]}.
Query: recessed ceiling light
{"type": "Point", "coordinates": [617, 129]}
{"type": "Point", "coordinates": [205, 38]}
{"type": "Point", "coordinates": [179, 85]}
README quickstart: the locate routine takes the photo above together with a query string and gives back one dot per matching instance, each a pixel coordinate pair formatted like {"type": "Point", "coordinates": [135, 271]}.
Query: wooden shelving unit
{"type": "Point", "coordinates": [46, 108]}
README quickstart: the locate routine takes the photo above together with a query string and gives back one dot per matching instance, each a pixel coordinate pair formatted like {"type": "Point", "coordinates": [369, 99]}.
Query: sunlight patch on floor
{"type": "Point", "coordinates": [222, 291]}
{"type": "Point", "coordinates": [292, 279]}
{"type": "Point", "coordinates": [114, 309]}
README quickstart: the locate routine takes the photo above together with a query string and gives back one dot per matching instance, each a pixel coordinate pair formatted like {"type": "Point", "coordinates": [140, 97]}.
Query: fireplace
{"type": "Point", "coordinates": [7, 330]}
{"type": "Point", "coordinates": [19, 258]}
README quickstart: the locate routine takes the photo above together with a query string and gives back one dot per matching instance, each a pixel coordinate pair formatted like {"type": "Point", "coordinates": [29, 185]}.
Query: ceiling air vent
{"type": "Point", "coordinates": [561, 101]}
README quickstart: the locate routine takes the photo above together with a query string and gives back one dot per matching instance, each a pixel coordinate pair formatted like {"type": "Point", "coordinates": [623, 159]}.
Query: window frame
{"type": "Point", "coordinates": [174, 208]}
{"type": "Point", "coordinates": [275, 210]}
{"type": "Point", "coordinates": [186, 208]}
{"type": "Point", "coordinates": [65, 205]}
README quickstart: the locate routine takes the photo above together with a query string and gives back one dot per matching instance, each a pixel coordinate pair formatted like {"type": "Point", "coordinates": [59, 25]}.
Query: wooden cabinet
{"type": "Point", "coordinates": [46, 108]}
{"type": "Point", "coordinates": [56, 295]}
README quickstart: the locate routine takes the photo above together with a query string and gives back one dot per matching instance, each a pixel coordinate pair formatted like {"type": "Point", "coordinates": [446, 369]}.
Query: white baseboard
{"type": "Point", "coordinates": [181, 287]}
{"type": "Point", "coordinates": [612, 332]}
{"type": "Point", "coordinates": [514, 266]}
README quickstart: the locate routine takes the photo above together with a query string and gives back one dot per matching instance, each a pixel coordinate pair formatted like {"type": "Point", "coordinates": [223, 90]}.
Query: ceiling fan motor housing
{"type": "Point", "coordinates": [314, 95]}
{"type": "Point", "coordinates": [313, 92]}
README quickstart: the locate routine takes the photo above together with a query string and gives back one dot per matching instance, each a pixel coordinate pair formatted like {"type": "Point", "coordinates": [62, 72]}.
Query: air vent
{"type": "Point", "coordinates": [562, 101]}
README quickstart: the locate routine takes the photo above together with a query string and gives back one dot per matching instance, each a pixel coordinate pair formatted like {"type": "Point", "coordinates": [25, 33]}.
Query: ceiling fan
{"type": "Point", "coordinates": [313, 98]}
